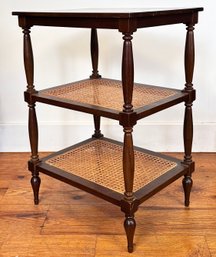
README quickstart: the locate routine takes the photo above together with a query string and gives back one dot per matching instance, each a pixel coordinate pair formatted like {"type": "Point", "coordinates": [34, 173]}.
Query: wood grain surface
{"type": "Point", "coordinates": [70, 223]}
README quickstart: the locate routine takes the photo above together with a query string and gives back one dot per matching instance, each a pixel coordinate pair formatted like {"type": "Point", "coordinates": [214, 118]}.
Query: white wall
{"type": "Point", "coordinates": [62, 55]}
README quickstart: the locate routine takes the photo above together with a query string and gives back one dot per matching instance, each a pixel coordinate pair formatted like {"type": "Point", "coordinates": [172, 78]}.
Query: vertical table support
{"type": "Point", "coordinates": [94, 54]}
{"type": "Point", "coordinates": [32, 123]}
{"type": "Point", "coordinates": [97, 131]}
{"type": "Point", "coordinates": [129, 203]}
{"type": "Point", "coordinates": [95, 75]}
{"type": "Point", "coordinates": [188, 120]}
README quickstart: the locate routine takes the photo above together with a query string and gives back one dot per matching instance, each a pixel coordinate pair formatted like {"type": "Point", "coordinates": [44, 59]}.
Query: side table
{"type": "Point", "coordinates": [117, 172]}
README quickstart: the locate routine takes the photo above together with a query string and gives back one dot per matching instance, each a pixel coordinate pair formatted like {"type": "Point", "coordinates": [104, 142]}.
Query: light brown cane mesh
{"type": "Point", "coordinates": [101, 162]}
{"type": "Point", "coordinates": [108, 93]}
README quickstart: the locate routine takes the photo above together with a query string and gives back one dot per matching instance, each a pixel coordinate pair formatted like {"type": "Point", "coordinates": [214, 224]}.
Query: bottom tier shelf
{"type": "Point", "coordinates": [95, 166]}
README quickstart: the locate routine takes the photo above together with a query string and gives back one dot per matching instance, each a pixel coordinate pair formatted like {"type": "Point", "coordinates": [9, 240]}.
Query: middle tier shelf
{"type": "Point", "coordinates": [95, 165]}
{"type": "Point", "coordinates": [104, 97]}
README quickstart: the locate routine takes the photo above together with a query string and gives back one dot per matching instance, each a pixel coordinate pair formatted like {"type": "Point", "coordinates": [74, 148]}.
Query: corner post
{"type": "Point", "coordinates": [188, 119]}
{"type": "Point", "coordinates": [129, 203]}
{"type": "Point", "coordinates": [95, 75]}
{"type": "Point", "coordinates": [94, 54]}
{"type": "Point", "coordinates": [32, 119]}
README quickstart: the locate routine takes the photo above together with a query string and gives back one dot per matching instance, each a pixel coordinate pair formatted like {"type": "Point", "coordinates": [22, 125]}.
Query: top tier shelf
{"type": "Point", "coordinates": [122, 19]}
{"type": "Point", "coordinates": [104, 97]}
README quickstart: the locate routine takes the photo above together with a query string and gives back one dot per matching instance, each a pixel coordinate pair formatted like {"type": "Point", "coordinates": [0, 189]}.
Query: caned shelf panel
{"type": "Point", "coordinates": [106, 96]}
{"type": "Point", "coordinates": [98, 162]}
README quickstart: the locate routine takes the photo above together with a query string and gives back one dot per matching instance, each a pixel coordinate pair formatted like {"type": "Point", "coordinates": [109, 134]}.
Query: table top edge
{"type": "Point", "coordinates": [109, 13]}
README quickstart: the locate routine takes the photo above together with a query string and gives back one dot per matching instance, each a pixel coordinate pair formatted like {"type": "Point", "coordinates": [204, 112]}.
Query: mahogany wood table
{"type": "Point", "coordinates": [117, 172]}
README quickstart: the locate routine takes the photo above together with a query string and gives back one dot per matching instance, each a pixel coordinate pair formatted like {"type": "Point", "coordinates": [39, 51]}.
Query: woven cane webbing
{"type": "Point", "coordinates": [101, 162]}
{"type": "Point", "coordinates": [108, 93]}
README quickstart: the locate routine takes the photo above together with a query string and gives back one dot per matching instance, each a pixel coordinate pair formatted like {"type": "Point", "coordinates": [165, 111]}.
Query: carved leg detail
{"type": "Point", "coordinates": [97, 132]}
{"type": "Point", "coordinates": [94, 54]}
{"type": "Point", "coordinates": [130, 225]}
{"type": "Point", "coordinates": [129, 208]}
{"type": "Point", "coordinates": [129, 203]}
{"type": "Point", "coordinates": [32, 120]}
{"type": "Point", "coordinates": [188, 121]}
{"type": "Point", "coordinates": [35, 182]}
{"type": "Point", "coordinates": [33, 137]}
{"type": "Point", "coordinates": [187, 183]}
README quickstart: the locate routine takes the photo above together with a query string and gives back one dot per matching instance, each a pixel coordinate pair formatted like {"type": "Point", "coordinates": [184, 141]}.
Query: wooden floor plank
{"type": "Point", "coordinates": [22, 219]}
{"type": "Point", "coordinates": [3, 190]}
{"type": "Point", "coordinates": [55, 246]}
{"type": "Point", "coordinates": [194, 221]}
{"type": "Point", "coordinates": [211, 241]}
{"type": "Point", "coordinates": [153, 246]}
{"type": "Point", "coordinates": [70, 222]}
{"type": "Point", "coordinates": [82, 219]}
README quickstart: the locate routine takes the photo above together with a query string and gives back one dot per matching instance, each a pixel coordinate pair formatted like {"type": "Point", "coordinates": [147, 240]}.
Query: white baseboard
{"type": "Point", "coordinates": [162, 137]}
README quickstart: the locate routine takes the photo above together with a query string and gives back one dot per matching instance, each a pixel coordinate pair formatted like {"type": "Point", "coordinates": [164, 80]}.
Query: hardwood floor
{"type": "Point", "coordinates": [70, 222]}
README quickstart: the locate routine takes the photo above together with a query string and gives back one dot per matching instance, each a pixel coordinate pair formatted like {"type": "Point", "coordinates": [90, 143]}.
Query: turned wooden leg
{"type": "Point", "coordinates": [95, 75]}
{"type": "Point", "coordinates": [130, 225]}
{"type": "Point", "coordinates": [129, 203]}
{"type": "Point", "coordinates": [97, 131]}
{"type": "Point", "coordinates": [94, 54]}
{"type": "Point", "coordinates": [33, 137]}
{"type": "Point", "coordinates": [188, 137]}
{"type": "Point", "coordinates": [32, 118]}
{"type": "Point", "coordinates": [35, 182]}
{"type": "Point", "coordinates": [187, 183]}
{"type": "Point", "coordinates": [188, 120]}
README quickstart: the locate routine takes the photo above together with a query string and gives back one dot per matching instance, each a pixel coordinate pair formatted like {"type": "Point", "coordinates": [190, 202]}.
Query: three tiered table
{"type": "Point", "coordinates": [118, 172]}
